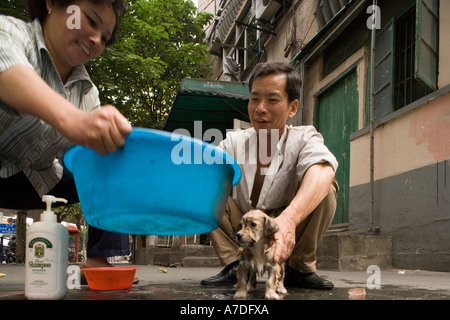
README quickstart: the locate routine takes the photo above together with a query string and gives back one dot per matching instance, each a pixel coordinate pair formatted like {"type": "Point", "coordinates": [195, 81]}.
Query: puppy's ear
{"type": "Point", "coordinates": [270, 226]}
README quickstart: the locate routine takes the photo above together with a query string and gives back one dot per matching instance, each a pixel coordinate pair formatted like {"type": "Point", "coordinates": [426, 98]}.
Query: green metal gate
{"type": "Point", "coordinates": [336, 117]}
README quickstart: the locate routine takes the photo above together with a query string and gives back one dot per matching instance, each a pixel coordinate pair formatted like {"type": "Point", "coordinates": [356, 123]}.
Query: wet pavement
{"type": "Point", "coordinates": [162, 283]}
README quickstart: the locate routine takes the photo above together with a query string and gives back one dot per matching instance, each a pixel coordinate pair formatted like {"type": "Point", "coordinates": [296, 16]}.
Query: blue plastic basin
{"type": "Point", "coordinates": [158, 183]}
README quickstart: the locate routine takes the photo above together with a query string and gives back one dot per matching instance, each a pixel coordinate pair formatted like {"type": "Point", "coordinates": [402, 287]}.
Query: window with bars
{"type": "Point", "coordinates": [406, 57]}
{"type": "Point", "coordinates": [406, 87]}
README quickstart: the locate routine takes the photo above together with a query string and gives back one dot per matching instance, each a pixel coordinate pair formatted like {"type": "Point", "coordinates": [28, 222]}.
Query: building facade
{"type": "Point", "coordinates": [376, 84]}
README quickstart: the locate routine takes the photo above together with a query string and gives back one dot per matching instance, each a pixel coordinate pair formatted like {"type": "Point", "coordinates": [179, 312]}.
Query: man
{"type": "Point", "coordinates": [287, 172]}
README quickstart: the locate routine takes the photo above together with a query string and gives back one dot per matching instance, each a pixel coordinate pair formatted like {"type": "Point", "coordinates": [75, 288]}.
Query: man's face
{"type": "Point", "coordinates": [268, 107]}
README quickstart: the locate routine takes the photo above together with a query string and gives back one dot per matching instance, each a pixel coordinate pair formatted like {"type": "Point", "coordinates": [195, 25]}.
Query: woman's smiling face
{"type": "Point", "coordinates": [71, 46]}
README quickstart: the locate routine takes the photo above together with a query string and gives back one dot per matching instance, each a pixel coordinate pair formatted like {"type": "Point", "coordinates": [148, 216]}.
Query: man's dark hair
{"type": "Point", "coordinates": [38, 9]}
{"type": "Point", "coordinates": [293, 81]}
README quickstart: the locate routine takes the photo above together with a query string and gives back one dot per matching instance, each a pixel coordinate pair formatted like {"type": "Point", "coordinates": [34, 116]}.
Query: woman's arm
{"type": "Point", "coordinates": [103, 129]}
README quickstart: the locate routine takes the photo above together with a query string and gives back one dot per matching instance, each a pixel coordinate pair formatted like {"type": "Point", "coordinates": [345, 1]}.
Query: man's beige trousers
{"type": "Point", "coordinates": [309, 232]}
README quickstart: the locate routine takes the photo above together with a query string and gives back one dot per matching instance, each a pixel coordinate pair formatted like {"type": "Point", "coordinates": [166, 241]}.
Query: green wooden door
{"type": "Point", "coordinates": [336, 117]}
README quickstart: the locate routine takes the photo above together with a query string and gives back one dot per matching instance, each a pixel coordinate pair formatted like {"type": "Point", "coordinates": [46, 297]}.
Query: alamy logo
{"type": "Point", "coordinates": [374, 21]}
{"type": "Point", "coordinates": [248, 151]}
{"type": "Point", "coordinates": [374, 280]}
{"type": "Point", "coordinates": [74, 277]}
{"type": "Point", "coordinates": [74, 21]}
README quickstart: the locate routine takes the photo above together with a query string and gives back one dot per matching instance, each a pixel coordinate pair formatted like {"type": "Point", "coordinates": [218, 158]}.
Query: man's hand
{"type": "Point", "coordinates": [285, 238]}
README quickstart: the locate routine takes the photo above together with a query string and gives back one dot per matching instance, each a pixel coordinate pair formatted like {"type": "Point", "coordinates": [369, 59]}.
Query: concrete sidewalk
{"type": "Point", "coordinates": [162, 283]}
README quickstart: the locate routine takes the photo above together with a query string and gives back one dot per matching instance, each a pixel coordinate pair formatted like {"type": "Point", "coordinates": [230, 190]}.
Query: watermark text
{"type": "Point", "coordinates": [74, 20]}
{"type": "Point", "coordinates": [374, 21]}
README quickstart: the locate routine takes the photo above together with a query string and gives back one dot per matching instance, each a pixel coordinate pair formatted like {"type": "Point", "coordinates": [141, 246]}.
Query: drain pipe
{"type": "Point", "coordinates": [372, 114]}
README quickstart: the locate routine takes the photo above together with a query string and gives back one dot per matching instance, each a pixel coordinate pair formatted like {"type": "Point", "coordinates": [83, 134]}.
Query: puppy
{"type": "Point", "coordinates": [257, 247]}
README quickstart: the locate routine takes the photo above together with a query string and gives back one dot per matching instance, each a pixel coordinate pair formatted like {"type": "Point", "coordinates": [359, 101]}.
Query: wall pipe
{"type": "Point", "coordinates": [372, 113]}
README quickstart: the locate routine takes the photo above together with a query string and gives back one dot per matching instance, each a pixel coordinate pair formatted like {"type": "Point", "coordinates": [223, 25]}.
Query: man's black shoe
{"type": "Point", "coordinates": [227, 276]}
{"type": "Point", "coordinates": [309, 280]}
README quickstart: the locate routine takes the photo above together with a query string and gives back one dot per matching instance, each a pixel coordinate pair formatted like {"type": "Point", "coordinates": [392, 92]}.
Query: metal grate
{"type": "Point", "coordinates": [406, 87]}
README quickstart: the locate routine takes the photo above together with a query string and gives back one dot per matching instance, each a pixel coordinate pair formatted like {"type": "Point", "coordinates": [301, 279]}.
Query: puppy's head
{"type": "Point", "coordinates": [255, 226]}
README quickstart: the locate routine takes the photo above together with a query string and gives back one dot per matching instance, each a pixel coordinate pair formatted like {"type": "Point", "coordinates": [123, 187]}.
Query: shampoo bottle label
{"type": "Point", "coordinates": [41, 263]}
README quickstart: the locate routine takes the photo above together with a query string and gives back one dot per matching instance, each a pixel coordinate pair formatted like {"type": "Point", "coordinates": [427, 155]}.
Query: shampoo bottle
{"type": "Point", "coordinates": [46, 257]}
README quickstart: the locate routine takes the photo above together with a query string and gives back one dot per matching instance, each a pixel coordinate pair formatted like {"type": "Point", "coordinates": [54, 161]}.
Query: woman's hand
{"type": "Point", "coordinates": [103, 129]}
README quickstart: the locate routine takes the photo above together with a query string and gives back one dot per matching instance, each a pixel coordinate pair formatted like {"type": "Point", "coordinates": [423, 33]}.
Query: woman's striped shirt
{"type": "Point", "coordinates": [27, 143]}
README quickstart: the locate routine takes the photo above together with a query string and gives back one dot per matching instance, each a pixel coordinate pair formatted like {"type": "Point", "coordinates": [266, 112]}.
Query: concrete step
{"type": "Point", "coordinates": [198, 250]}
{"type": "Point", "coordinates": [201, 262]}
{"type": "Point", "coordinates": [346, 251]}
{"type": "Point", "coordinates": [199, 256]}
{"type": "Point", "coordinates": [186, 255]}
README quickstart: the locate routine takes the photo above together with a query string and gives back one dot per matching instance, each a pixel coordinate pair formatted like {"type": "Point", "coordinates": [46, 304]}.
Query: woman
{"type": "Point", "coordinates": [48, 102]}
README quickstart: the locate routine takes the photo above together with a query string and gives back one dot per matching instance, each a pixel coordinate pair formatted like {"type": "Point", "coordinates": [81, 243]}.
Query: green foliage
{"type": "Point", "coordinates": [161, 42]}
{"type": "Point", "coordinates": [70, 212]}
{"type": "Point", "coordinates": [15, 8]}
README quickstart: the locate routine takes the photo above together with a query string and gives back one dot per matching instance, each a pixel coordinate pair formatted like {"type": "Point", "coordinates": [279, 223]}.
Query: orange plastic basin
{"type": "Point", "coordinates": [113, 278]}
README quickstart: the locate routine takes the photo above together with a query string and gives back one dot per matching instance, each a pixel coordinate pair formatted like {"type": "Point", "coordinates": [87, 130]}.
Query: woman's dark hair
{"type": "Point", "coordinates": [293, 81]}
{"type": "Point", "coordinates": [38, 9]}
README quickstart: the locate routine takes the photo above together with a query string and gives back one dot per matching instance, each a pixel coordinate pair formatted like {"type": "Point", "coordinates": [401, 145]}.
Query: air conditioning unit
{"type": "Point", "coordinates": [265, 9]}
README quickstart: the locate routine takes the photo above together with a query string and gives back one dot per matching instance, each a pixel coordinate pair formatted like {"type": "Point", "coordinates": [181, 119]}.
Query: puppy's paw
{"type": "Point", "coordinates": [281, 289]}
{"type": "Point", "coordinates": [240, 294]}
{"type": "Point", "coordinates": [272, 295]}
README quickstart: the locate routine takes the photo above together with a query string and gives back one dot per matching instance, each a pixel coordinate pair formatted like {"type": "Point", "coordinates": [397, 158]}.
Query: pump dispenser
{"type": "Point", "coordinates": [47, 245]}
